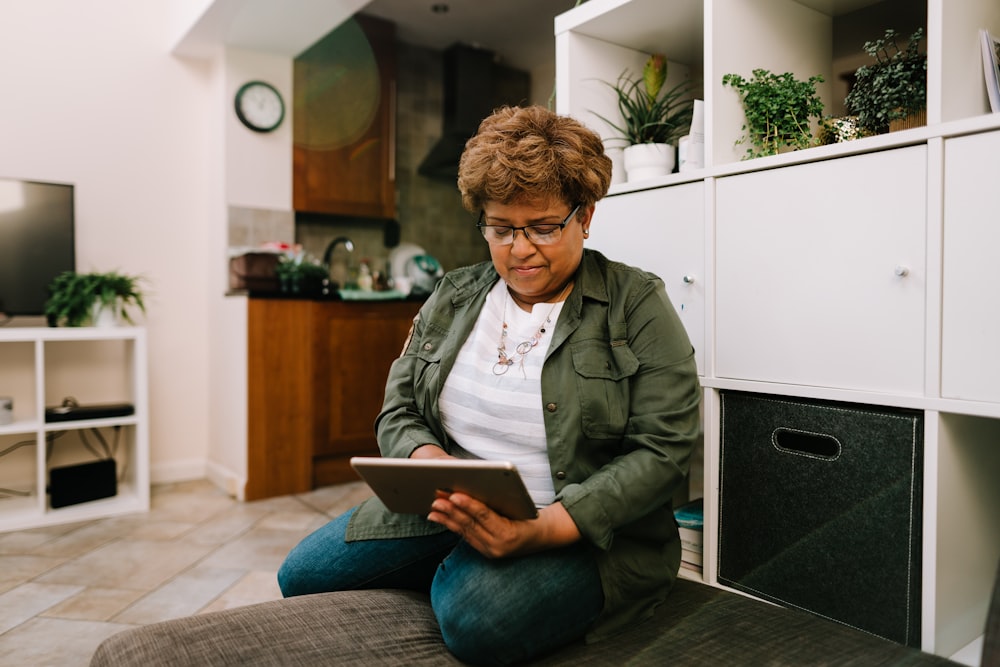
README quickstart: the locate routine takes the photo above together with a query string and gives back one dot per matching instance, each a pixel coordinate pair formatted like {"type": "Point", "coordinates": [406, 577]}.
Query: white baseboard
{"type": "Point", "coordinates": [227, 480]}
{"type": "Point", "coordinates": [177, 471]}
{"type": "Point", "coordinates": [184, 471]}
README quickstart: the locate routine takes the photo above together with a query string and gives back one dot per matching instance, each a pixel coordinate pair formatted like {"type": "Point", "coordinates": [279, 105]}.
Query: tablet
{"type": "Point", "coordinates": [408, 486]}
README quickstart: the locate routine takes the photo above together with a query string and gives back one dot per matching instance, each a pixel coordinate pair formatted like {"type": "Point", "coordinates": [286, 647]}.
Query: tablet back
{"type": "Point", "coordinates": [408, 486]}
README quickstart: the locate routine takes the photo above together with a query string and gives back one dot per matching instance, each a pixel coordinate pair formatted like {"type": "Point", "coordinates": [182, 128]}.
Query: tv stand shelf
{"type": "Point", "coordinates": [39, 368]}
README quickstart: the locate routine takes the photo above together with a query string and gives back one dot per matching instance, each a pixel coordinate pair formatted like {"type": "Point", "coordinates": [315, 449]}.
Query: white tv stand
{"type": "Point", "coordinates": [39, 367]}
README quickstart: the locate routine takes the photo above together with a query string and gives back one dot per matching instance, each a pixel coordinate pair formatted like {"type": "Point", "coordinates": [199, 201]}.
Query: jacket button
{"type": "Point", "coordinates": [428, 347]}
{"type": "Point", "coordinates": [560, 475]}
{"type": "Point", "coordinates": [551, 407]}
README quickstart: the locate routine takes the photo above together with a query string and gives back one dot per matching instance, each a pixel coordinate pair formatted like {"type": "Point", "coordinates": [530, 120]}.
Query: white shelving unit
{"type": "Point", "coordinates": [861, 272]}
{"type": "Point", "coordinates": [39, 367]}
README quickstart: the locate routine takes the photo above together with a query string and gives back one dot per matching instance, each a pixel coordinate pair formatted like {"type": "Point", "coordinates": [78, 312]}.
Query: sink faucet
{"type": "Point", "coordinates": [338, 274]}
{"type": "Point", "coordinates": [328, 253]}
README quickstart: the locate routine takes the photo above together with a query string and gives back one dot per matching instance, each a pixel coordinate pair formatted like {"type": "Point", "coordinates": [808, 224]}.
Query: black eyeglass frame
{"type": "Point", "coordinates": [514, 230]}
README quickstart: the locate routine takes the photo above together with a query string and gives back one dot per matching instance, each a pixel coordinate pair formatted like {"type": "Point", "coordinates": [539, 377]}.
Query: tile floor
{"type": "Point", "coordinates": [63, 589]}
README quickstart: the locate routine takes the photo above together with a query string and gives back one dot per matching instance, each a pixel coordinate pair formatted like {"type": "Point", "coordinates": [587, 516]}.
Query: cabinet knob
{"type": "Point", "coordinates": [688, 280]}
{"type": "Point", "coordinates": [902, 271]}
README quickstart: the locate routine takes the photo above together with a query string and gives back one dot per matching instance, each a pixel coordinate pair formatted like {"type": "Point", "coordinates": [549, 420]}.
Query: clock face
{"type": "Point", "coordinates": [259, 106]}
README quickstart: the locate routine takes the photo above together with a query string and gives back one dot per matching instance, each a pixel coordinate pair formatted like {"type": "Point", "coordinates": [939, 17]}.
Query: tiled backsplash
{"type": "Point", "coordinates": [249, 227]}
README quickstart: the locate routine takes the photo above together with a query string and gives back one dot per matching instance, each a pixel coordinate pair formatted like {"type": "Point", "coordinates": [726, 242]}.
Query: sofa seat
{"type": "Point", "coordinates": [698, 625]}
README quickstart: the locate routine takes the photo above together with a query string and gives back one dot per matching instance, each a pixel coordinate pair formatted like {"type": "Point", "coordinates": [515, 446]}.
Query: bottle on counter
{"type": "Point", "coordinates": [365, 280]}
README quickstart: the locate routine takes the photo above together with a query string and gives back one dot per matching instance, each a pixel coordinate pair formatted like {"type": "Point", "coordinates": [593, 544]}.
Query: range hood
{"type": "Point", "coordinates": [474, 85]}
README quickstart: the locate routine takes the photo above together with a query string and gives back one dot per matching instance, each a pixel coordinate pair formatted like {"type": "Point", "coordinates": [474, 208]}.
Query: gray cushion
{"type": "Point", "coordinates": [699, 625]}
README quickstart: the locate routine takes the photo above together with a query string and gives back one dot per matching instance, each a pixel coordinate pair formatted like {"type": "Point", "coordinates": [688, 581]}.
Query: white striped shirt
{"type": "Point", "coordinates": [499, 417]}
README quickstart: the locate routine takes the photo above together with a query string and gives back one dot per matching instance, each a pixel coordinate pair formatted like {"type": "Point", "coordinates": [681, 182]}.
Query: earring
{"type": "Point", "coordinates": [586, 233]}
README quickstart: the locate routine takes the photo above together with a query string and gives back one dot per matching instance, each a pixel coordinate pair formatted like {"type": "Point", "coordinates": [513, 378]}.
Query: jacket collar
{"type": "Point", "coordinates": [590, 276]}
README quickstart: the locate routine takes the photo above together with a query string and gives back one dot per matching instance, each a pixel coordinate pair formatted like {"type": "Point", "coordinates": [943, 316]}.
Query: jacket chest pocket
{"type": "Point", "coordinates": [427, 368]}
{"type": "Point", "coordinates": [603, 374]}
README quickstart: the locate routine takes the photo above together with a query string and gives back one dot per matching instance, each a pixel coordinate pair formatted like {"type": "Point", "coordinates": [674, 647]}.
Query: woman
{"type": "Point", "coordinates": [575, 368]}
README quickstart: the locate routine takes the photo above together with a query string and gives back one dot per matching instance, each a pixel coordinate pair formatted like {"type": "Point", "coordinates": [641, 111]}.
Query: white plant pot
{"type": "Point", "coordinates": [617, 155]}
{"type": "Point", "coordinates": [646, 161]}
{"type": "Point", "coordinates": [105, 317]}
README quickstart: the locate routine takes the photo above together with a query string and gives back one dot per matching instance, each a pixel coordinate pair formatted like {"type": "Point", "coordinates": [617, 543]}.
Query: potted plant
{"type": "Point", "coordinates": [893, 88]}
{"type": "Point", "coordinates": [297, 274]}
{"type": "Point", "coordinates": [778, 109]}
{"type": "Point", "coordinates": [96, 299]}
{"type": "Point", "coordinates": [652, 119]}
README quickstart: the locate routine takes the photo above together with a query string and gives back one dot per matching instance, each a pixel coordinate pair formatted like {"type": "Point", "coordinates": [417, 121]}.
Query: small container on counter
{"type": "Point", "coordinates": [6, 410]}
{"type": "Point", "coordinates": [365, 280]}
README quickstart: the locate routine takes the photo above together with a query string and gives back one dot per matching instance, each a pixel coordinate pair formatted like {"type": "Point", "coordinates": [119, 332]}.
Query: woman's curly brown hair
{"type": "Point", "coordinates": [522, 154]}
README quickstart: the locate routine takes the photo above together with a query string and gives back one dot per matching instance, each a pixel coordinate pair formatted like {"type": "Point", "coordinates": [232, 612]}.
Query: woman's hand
{"type": "Point", "coordinates": [496, 536]}
{"type": "Point", "coordinates": [430, 452]}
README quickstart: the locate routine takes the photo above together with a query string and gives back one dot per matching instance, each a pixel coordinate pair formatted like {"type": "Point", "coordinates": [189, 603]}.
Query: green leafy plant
{"type": "Point", "coordinates": [778, 109]}
{"type": "Point", "coordinates": [298, 274]}
{"type": "Point", "coordinates": [74, 296]}
{"type": "Point", "coordinates": [891, 88]}
{"type": "Point", "coordinates": [649, 113]}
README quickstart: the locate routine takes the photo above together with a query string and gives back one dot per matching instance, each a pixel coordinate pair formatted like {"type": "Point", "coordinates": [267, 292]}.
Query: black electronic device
{"type": "Point", "coordinates": [69, 411]}
{"type": "Point", "coordinates": [36, 242]}
{"type": "Point", "coordinates": [71, 485]}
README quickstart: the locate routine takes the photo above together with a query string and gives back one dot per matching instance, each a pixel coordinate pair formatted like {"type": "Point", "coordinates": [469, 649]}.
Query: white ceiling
{"type": "Point", "coordinates": [520, 31]}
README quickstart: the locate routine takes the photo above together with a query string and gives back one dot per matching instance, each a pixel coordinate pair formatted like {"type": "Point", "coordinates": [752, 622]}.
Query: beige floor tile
{"type": "Point", "coordinates": [53, 642]}
{"type": "Point", "coordinates": [182, 596]}
{"type": "Point", "coordinates": [337, 499]}
{"type": "Point", "coordinates": [279, 504]}
{"type": "Point", "coordinates": [22, 542]}
{"type": "Point", "coordinates": [258, 549]}
{"type": "Point", "coordinates": [132, 564]}
{"type": "Point", "coordinates": [86, 537]}
{"type": "Point", "coordinates": [161, 530]}
{"type": "Point", "coordinates": [15, 570]}
{"type": "Point", "coordinates": [94, 604]}
{"type": "Point", "coordinates": [49, 532]}
{"type": "Point", "coordinates": [225, 526]}
{"type": "Point", "coordinates": [298, 521]}
{"type": "Point", "coordinates": [193, 506]}
{"type": "Point", "coordinates": [64, 588]}
{"type": "Point", "coordinates": [256, 586]}
{"type": "Point", "coordinates": [22, 602]}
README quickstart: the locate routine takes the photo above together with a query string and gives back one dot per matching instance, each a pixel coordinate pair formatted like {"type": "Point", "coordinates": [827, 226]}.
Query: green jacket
{"type": "Point", "coordinates": [620, 394]}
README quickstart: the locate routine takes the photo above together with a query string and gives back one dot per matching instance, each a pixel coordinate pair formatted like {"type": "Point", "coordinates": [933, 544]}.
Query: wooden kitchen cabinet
{"type": "Point", "coordinates": [343, 154]}
{"type": "Point", "coordinates": [361, 342]}
{"type": "Point", "coordinates": [316, 377]}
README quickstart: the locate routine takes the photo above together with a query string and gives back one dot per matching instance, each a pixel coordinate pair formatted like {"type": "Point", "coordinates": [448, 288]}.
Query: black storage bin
{"type": "Point", "coordinates": [820, 508]}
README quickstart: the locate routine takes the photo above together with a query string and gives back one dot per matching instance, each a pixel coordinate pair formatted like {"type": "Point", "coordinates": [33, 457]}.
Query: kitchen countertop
{"type": "Point", "coordinates": [329, 296]}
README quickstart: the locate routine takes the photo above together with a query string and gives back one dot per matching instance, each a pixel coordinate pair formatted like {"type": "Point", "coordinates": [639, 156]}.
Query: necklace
{"type": "Point", "coordinates": [504, 362]}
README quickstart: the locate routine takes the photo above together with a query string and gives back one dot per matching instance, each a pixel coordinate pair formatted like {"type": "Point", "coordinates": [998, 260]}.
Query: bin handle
{"type": "Point", "coordinates": [805, 443]}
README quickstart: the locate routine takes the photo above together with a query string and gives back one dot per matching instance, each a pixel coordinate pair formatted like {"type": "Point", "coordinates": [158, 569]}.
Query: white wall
{"type": "Point", "coordinates": [92, 96]}
{"type": "Point", "coordinates": [257, 171]}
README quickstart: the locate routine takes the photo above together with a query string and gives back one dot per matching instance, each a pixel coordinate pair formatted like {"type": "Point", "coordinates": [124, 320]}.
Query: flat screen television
{"type": "Point", "coordinates": [36, 243]}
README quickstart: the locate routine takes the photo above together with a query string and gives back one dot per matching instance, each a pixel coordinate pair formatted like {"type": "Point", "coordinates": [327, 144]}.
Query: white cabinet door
{"type": "Point", "coordinates": [661, 231]}
{"type": "Point", "coordinates": [970, 331]}
{"type": "Point", "coordinates": [821, 273]}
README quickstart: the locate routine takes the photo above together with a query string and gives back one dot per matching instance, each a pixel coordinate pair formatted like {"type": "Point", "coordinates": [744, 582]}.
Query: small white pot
{"type": "Point", "coordinates": [645, 161]}
{"type": "Point", "coordinates": [105, 317]}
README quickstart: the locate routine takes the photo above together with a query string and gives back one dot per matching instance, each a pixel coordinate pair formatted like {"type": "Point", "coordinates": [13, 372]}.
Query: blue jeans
{"type": "Point", "coordinates": [491, 611]}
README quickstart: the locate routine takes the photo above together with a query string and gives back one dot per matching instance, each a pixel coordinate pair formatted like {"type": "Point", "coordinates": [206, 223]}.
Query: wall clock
{"type": "Point", "coordinates": [259, 106]}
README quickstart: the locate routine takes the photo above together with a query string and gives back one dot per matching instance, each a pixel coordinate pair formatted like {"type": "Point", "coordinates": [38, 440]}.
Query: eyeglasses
{"type": "Point", "coordinates": [546, 234]}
